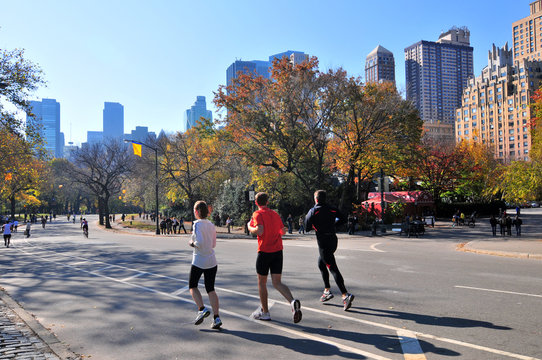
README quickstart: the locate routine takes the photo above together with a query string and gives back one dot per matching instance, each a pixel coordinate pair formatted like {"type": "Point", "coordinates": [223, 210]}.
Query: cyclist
{"type": "Point", "coordinates": [84, 225]}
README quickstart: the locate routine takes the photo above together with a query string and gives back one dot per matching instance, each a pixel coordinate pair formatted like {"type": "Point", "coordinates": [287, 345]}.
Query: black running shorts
{"type": "Point", "coordinates": [266, 262]}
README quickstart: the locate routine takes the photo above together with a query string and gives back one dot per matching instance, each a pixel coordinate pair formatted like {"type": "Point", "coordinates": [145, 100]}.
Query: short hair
{"type": "Point", "coordinates": [320, 196]}
{"type": "Point", "coordinates": [262, 198]}
{"type": "Point", "coordinates": [202, 208]}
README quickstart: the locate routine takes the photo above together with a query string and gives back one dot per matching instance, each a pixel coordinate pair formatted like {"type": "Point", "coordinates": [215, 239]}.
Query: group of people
{"type": "Point", "coordinates": [505, 223]}
{"type": "Point", "coordinates": [11, 226]}
{"type": "Point", "coordinates": [459, 218]}
{"type": "Point", "coordinates": [169, 225]}
{"type": "Point", "coordinates": [267, 225]}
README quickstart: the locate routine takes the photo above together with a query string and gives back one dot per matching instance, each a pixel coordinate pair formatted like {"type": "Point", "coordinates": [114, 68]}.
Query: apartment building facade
{"type": "Point", "coordinates": [495, 105]}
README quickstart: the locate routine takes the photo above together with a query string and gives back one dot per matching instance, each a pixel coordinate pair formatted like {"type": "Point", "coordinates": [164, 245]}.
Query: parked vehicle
{"type": "Point", "coordinates": [534, 204]}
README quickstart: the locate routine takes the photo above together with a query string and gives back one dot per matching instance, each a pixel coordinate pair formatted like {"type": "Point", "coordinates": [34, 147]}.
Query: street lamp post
{"type": "Point", "coordinates": [156, 177]}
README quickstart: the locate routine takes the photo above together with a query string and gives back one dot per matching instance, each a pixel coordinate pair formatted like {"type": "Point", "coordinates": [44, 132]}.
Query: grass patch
{"type": "Point", "coordinates": [140, 225]}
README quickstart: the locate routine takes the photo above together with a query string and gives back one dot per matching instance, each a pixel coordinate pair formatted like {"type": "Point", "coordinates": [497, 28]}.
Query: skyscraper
{"type": "Point", "coordinates": [495, 109]}
{"type": "Point", "coordinates": [527, 34]}
{"type": "Point", "coordinates": [47, 114]}
{"type": "Point", "coordinates": [257, 67]}
{"type": "Point", "coordinates": [197, 111]}
{"type": "Point", "coordinates": [141, 133]}
{"type": "Point", "coordinates": [295, 57]}
{"type": "Point", "coordinates": [436, 73]}
{"type": "Point", "coordinates": [380, 65]}
{"type": "Point", "coordinates": [113, 121]}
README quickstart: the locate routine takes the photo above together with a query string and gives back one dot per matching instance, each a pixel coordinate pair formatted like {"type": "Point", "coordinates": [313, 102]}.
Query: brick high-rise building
{"type": "Point", "coordinates": [380, 65]}
{"type": "Point", "coordinates": [495, 105]}
{"type": "Point", "coordinates": [527, 34]}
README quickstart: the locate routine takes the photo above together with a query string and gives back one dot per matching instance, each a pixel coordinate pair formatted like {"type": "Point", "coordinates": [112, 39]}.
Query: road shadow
{"type": "Point", "coordinates": [303, 346]}
{"type": "Point", "coordinates": [425, 319]}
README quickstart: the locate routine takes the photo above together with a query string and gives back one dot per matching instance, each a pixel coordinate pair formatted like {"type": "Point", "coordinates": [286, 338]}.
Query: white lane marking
{"type": "Point", "coordinates": [105, 267]}
{"type": "Point", "coordinates": [231, 313]}
{"type": "Point", "coordinates": [497, 291]}
{"type": "Point", "coordinates": [80, 262]}
{"type": "Point", "coordinates": [343, 317]}
{"type": "Point", "coordinates": [134, 276]}
{"type": "Point", "coordinates": [410, 345]}
{"type": "Point", "coordinates": [180, 291]}
{"type": "Point", "coordinates": [373, 247]}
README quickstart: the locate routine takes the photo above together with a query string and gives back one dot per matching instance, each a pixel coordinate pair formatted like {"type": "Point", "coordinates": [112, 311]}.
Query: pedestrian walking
{"type": "Point", "coordinates": [15, 225]}
{"type": "Point", "coordinates": [517, 223]}
{"type": "Point", "coordinates": [508, 225]}
{"type": "Point", "coordinates": [27, 229]}
{"type": "Point", "coordinates": [302, 224]}
{"type": "Point", "coordinates": [502, 224]}
{"type": "Point", "coordinates": [323, 219]}
{"type": "Point", "coordinates": [493, 222]}
{"type": "Point", "coordinates": [228, 224]}
{"type": "Point", "coordinates": [290, 221]}
{"type": "Point", "coordinates": [268, 227]}
{"type": "Point", "coordinates": [175, 225]}
{"type": "Point", "coordinates": [203, 240]}
{"type": "Point", "coordinates": [181, 225]}
{"type": "Point", "coordinates": [43, 221]}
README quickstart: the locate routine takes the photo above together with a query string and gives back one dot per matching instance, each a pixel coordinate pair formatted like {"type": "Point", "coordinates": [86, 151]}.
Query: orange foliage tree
{"type": "Point", "coordinates": [281, 125]}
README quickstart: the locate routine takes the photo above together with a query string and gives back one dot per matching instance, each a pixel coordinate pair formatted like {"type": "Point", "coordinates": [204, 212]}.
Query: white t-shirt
{"type": "Point", "coordinates": [204, 238]}
{"type": "Point", "coordinates": [7, 228]}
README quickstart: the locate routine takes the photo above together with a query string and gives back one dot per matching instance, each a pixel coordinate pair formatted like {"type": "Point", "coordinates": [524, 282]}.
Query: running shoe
{"type": "Point", "coordinates": [201, 315]}
{"type": "Point", "coordinates": [260, 315]}
{"type": "Point", "coordinates": [216, 323]}
{"type": "Point", "coordinates": [326, 296]}
{"type": "Point", "coordinates": [347, 301]}
{"type": "Point", "coordinates": [296, 310]}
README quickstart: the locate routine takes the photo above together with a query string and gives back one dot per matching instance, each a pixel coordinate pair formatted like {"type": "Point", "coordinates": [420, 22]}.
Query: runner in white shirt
{"type": "Point", "coordinates": [203, 240]}
{"type": "Point", "coordinates": [7, 233]}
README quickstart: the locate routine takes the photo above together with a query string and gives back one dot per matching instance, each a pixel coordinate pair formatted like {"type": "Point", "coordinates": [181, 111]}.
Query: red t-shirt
{"type": "Point", "coordinates": [271, 239]}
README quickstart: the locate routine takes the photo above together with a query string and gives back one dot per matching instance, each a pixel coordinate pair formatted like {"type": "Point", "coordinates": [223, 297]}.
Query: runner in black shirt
{"type": "Point", "coordinates": [323, 219]}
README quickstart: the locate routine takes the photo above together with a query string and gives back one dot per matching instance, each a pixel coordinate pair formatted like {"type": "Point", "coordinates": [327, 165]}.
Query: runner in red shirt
{"type": "Point", "coordinates": [268, 226]}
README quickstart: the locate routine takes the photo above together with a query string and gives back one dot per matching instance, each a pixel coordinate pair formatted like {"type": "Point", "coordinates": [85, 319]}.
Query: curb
{"type": "Point", "coordinates": [46, 336]}
{"type": "Point", "coordinates": [463, 247]}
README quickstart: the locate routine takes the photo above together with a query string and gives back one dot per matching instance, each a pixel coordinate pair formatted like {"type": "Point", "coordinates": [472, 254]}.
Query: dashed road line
{"type": "Point", "coordinates": [498, 291]}
{"type": "Point", "coordinates": [410, 345]}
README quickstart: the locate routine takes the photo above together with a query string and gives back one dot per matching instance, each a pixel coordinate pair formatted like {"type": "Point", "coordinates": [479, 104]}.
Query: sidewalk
{"type": "Point", "coordinates": [524, 249]}
{"type": "Point", "coordinates": [23, 337]}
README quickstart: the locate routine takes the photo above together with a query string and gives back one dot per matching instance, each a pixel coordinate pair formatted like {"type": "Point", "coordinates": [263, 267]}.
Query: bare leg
{"type": "Point", "coordinates": [196, 295]}
{"type": "Point", "coordinates": [213, 299]}
{"type": "Point", "coordinates": [262, 289]}
{"type": "Point", "coordinates": [282, 288]}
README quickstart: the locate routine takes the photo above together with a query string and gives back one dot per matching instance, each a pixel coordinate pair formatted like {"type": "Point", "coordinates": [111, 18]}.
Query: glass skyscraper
{"type": "Point", "coordinates": [197, 111]}
{"type": "Point", "coordinates": [113, 121]}
{"type": "Point", "coordinates": [47, 114]}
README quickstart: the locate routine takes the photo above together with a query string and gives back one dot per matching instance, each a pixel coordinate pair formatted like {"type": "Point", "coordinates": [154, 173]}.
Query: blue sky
{"type": "Point", "coordinates": [156, 56]}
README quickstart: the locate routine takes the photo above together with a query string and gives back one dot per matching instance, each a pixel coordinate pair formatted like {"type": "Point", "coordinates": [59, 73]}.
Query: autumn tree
{"type": "Point", "coordinates": [189, 162]}
{"type": "Point", "coordinates": [375, 129]}
{"type": "Point", "coordinates": [23, 172]}
{"type": "Point", "coordinates": [281, 125]}
{"type": "Point", "coordinates": [101, 168]}
{"type": "Point", "coordinates": [439, 167]}
{"type": "Point", "coordinates": [477, 181]}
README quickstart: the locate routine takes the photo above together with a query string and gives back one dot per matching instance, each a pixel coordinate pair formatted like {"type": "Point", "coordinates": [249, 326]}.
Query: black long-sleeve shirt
{"type": "Point", "coordinates": [323, 219]}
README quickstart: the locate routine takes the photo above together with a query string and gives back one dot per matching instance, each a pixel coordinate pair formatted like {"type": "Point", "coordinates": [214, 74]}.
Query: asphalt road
{"type": "Point", "coordinates": [124, 296]}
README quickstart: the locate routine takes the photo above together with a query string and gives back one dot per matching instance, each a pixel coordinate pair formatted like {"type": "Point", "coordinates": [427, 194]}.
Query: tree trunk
{"type": "Point", "coordinates": [106, 212]}
{"type": "Point", "coordinates": [346, 197]}
{"type": "Point", "coordinates": [12, 203]}
{"type": "Point", "coordinates": [100, 211]}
